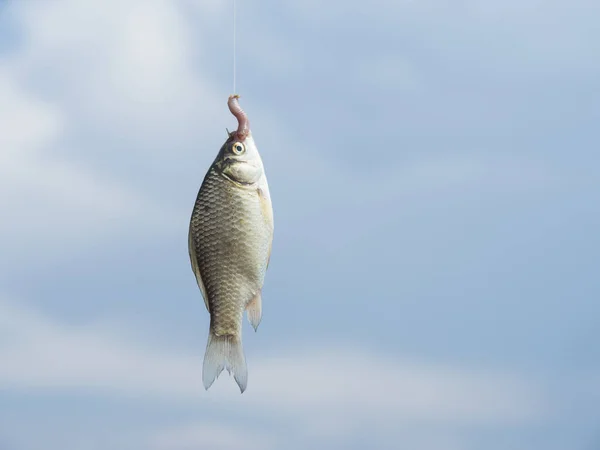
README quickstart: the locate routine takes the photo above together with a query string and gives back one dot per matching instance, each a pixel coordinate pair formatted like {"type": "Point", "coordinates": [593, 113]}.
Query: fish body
{"type": "Point", "coordinates": [230, 239]}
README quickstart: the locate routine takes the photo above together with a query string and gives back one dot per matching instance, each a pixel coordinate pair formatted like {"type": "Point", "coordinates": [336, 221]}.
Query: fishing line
{"type": "Point", "coordinates": [234, 36]}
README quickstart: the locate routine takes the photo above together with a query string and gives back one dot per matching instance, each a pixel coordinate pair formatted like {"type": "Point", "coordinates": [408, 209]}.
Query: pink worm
{"type": "Point", "coordinates": [243, 124]}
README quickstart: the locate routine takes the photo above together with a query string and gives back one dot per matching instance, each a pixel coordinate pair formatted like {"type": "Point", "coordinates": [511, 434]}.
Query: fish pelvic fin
{"type": "Point", "coordinates": [254, 310]}
{"type": "Point", "coordinates": [224, 352]}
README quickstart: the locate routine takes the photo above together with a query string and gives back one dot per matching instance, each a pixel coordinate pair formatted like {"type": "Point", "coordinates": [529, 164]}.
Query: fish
{"type": "Point", "coordinates": [230, 241]}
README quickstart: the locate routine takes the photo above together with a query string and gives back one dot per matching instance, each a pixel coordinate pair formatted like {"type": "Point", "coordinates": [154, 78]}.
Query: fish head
{"type": "Point", "coordinates": [239, 160]}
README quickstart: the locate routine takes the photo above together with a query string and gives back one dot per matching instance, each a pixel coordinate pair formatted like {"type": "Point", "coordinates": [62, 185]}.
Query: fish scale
{"type": "Point", "coordinates": [223, 258]}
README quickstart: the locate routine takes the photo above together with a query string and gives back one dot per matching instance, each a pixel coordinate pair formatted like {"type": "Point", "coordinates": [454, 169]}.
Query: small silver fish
{"type": "Point", "coordinates": [230, 239]}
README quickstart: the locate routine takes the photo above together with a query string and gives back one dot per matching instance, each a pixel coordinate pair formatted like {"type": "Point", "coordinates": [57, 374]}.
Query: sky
{"type": "Point", "coordinates": [433, 167]}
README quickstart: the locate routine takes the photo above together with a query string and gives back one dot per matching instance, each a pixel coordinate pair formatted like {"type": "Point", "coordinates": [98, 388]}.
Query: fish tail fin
{"type": "Point", "coordinates": [224, 352]}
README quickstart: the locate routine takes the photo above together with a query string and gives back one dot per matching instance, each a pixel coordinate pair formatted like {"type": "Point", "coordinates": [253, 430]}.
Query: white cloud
{"type": "Point", "coordinates": [128, 72]}
{"type": "Point", "coordinates": [519, 38]}
{"type": "Point", "coordinates": [385, 389]}
{"type": "Point", "coordinates": [215, 436]}
{"type": "Point", "coordinates": [28, 122]}
{"type": "Point", "coordinates": [123, 87]}
{"type": "Point", "coordinates": [75, 88]}
{"type": "Point", "coordinates": [95, 73]}
{"type": "Point", "coordinates": [321, 389]}
{"type": "Point", "coordinates": [49, 203]}
{"type": "Point", "coordinates": [42, 354]}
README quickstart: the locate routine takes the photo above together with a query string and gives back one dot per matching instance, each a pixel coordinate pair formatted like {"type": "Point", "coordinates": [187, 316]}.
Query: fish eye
{"type": "Point", "coordinates": [238, 148]}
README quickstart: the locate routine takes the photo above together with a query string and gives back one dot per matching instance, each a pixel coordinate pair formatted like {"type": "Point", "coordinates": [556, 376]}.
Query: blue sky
{"type": "Point", "coordinates": [433, 170]}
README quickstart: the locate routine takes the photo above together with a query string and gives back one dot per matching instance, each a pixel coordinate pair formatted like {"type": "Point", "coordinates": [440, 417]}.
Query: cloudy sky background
{"type": "Point", "coordinates": [434, 171]}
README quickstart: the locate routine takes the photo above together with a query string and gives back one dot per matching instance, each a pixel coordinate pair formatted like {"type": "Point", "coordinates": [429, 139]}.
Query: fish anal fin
{"type": "Point", "coordinates": [254, 310]}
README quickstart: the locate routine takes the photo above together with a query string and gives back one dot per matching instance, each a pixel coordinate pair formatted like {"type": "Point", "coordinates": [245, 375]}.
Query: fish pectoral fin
{"type": "Point", "coordinates": [266, 206]}
{"type": "Point", "coordinates": [267, 212]}
{"type": "Point", "coordinates": [254, 310]}
{"type": "Point", "coordinates": [196, 270]}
